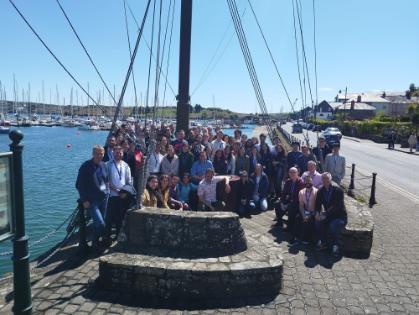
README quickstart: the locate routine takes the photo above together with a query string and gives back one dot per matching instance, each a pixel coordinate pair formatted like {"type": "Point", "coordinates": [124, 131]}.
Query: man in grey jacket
{"type": "Point", "coordinates": [335, 164]}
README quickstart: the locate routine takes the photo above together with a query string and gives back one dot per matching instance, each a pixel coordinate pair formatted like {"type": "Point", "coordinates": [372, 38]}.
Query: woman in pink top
{"type": "Point", "coordinates": [307, 200]}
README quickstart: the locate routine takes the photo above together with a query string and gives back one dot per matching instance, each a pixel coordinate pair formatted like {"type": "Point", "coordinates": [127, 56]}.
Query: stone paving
{"type": "Point", "coordinates": [386, 283]}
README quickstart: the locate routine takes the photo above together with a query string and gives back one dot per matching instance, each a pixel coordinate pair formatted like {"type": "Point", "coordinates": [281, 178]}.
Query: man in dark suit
{"type": "Point", "coordinates": [245, 191]}
{"type": "Point", "coordinates": [331, 216]}
{"type": "Point", "coordinates": [261, 191]}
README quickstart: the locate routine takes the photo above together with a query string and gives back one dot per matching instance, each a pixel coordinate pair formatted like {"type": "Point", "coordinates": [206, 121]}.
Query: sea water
{"type": "Point", "coordinates": [51, 159]}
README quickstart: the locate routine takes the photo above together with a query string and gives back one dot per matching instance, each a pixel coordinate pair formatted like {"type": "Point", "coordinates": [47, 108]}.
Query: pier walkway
{"type": "Point", "coordinates": [387, 282]}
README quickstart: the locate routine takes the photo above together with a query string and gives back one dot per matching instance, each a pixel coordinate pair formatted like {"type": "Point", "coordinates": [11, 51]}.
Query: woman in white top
{"type": "Point", "coordinates": [307, 200]}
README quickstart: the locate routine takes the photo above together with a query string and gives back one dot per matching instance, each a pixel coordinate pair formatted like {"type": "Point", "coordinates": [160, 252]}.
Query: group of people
{"type": "Point", "coordinates": [186, 167]}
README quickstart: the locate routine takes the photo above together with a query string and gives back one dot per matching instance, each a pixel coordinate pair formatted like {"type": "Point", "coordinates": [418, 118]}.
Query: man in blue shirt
{"type": "Point", "coordinates": [200, 167]}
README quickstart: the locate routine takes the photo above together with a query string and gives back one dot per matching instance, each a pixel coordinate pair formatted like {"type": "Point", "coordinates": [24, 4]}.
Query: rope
{"type": "Point", "coordinates": [208, 70]}
{"type": "Point", "coordinates": [164, 44]}
{"type": "Point", "coordinates": [46, 236]}
{"type": "Point", "coordinates": [166, 83]}
{"type": "Point", "coordinates": [134, 54]}
{"type": "Point", "coordinates": [149, 47]}
{"type": "Point", "coordinates": [130, 55]}
{"type": "Point", "coordinates": [299, 15]}
{"type": "Point", "coordinates": [315, 51]}
{"type": "Point", "coordinates": [297, 55]}
{"type": "Point", "coordinates": [85, 50]}
{"type": "Point", "coordinates": [55, 57]}
{"type": "Point", "coordinates": [157, 79]}
{"type": "Point", "coordinates": [271, 55]}
{"type": "Point", "coordinates": [149, 64]}
{"type": "Point", "coordinates": [249, 62]}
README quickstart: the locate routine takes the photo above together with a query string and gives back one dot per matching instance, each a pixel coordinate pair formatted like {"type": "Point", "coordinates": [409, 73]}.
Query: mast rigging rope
{"type": "Point", "coordinates": [55, 57]}
{"type": "Point", "coordinates": [85, 50]}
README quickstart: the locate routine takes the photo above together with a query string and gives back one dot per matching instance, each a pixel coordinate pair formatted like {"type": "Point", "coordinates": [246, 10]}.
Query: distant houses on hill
{"type": "Point", "coordinates": [361, 106]}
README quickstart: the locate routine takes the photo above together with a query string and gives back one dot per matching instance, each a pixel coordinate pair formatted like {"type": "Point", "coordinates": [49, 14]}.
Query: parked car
{"type": "Point", "coordinates": [317, 128]}
{"type": "Point", "coordinates": [332, 135]}
{"type": "Point", "coordinates": [297, 128]}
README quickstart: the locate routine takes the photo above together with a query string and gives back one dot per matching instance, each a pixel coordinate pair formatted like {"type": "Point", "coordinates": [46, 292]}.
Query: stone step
{"type": "Point", "coordinates": [254, 272]}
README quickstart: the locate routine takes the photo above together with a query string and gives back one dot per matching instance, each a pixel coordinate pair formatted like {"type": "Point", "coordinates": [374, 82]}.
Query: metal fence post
{"type": "Point", "coordinates": [21, 273]}
{"type": "Point", "coordinates": [352, 184]}
{"type": "Point", "coordinates": [372, 196]}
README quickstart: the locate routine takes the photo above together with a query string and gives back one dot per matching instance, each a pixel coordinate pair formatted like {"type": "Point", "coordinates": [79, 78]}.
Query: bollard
{"type": "Point", "coordinates": [83, 247]}
{"type": "Point", "coordinates": [352, 183]}
{"type": "Point", "coordinates": [21, 273]}
{"type": "Point", "coordinates": [372, 196]}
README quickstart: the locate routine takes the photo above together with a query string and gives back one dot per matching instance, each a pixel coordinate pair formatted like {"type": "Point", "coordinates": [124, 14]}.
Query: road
{"type": "Point", "coordinates": [396, 170]}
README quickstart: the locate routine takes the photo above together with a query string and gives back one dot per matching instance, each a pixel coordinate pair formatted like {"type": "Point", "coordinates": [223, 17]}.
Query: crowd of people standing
{"type": "Point", "coordinates": [186, 167]}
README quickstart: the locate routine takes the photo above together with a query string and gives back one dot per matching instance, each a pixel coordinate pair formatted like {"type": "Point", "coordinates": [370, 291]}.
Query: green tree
{"type": "Point", "coordinates": [198, 108]}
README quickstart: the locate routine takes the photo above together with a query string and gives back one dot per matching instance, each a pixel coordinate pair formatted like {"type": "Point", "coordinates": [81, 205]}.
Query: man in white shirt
{"type": "Point", "coordinates": [316, 177]}
{"type": "Point", "coordinates": [217, 144]}
{"type": "Point", "coordinates": [119, 176]}
{"type": "Point", "coordinates": [154, 161]}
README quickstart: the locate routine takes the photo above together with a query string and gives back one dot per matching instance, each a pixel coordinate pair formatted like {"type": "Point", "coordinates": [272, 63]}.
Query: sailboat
{"type": "Point", "coordinates": [4, 125]}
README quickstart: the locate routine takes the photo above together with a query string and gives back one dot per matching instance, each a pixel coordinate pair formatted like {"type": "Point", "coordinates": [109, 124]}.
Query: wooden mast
{"type": "Point", "coordinates": [183, 99]}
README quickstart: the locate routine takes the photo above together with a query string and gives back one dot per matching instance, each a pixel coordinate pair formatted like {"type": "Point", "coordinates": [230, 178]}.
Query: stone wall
{"type": "Point", "coordinates": [184, 233]}
{"type": "Point", "coordinates": [358, 235]}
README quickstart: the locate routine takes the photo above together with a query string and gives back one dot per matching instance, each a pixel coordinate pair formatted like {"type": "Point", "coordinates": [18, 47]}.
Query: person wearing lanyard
{"type": "Point", "coordinates": [92, 185]}
{"type": "Point", "coordinates": [307, 201]}
{"type": "Point", "coordinates": [331, 216]}
{"type": "Point", "coordinates": [288, 202]}
{"type": "Point", "coordinates": [119, 176]}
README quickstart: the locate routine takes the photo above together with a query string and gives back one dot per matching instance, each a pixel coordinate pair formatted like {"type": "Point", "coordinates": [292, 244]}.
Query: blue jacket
{"type": "Point", "coordinates": [89, 180]}
{"type": "Point", "coordinates": [263, 189]}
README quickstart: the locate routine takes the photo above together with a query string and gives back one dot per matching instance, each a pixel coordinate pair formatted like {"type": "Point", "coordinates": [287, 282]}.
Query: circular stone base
{"type": "Point", "coordinates": [254, 272]}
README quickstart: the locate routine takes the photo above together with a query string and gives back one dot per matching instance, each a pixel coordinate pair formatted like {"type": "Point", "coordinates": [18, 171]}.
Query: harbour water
{"type": "Point", "coordinates": [51, 159]}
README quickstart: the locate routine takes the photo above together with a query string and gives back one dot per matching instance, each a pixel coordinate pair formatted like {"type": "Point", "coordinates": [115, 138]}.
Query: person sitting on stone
{"type": "Point", "coordinates": [304, 158]}
{"type": "Point", "coordinates": [200, 167]}
{"type": "Point", "coordinates": [261, 190]}
{"type": "Point", "coordinates": [331, 214]}
{"type": "Point", "coordinates": [307, 206]}
{"type": "Point", "coordinates": [207, 191]}
{"type": "Point", "coordinates": [152, 196]}
{"type": "Point", "coordinates": [245, 190]}
{"type": "Point", "coordinates": [288, 202]}
{"type": "Point", "coordinates": [174, 195]}
{"type": "Point", "coordinates": [335, 164]}
{"type": "Point", "coordinates": [164, 186]}
{"type": "Point", "coordinates": [187, 191]}
{"type": "Point", "coordinates": [312, 172]}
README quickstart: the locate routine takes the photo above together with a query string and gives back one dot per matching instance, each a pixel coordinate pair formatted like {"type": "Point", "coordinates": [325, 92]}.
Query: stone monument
{"type": "Point", "coordinates": [190, 255]}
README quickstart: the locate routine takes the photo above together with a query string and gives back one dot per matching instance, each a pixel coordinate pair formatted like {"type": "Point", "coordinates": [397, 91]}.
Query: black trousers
{"type": "Point", "coordinates": [117, 207]}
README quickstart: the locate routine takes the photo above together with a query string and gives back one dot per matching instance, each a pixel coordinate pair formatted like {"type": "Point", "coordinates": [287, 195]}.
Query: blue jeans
{"type": "Point", "coordinates": [97, 212]}
{"type": "Point", "coordinates": [334, 227]}
{"type": "Point", "coordinates": [261, 203]}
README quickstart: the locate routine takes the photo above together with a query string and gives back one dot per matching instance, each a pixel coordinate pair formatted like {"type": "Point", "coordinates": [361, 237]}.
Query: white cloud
{"type": "Point", "coordinates": [326, 89]}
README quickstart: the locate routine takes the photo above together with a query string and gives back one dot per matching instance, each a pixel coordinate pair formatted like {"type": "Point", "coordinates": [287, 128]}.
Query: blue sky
{"type": "Point", "coordinates": [365, 45]}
